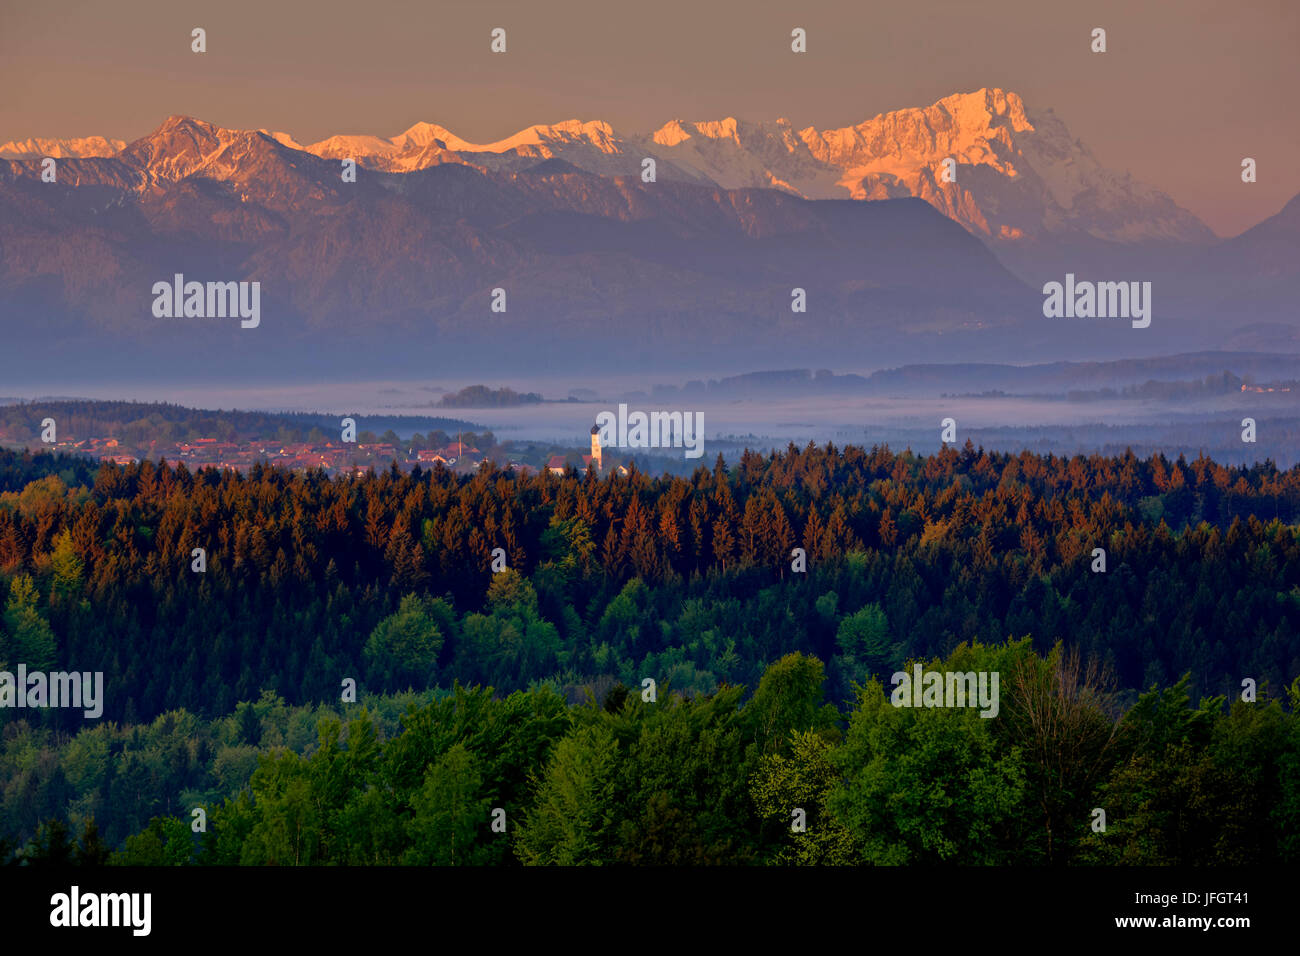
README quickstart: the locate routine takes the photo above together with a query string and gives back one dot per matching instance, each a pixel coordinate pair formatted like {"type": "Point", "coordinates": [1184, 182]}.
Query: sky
{"type": "Point", "coordinates": [1184, 92]}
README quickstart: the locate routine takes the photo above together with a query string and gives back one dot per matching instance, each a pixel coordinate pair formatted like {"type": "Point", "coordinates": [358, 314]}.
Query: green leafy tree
{"type": "Point", "coordinates": [167, 841]}
{"type": "Point", "coordinates": [91, 848]}
{"type": "Point", "coordinates": [682, 781]}
{"type": "Point", "coordinates": [1058, 711]}
{"type": "Point", "coordinates": [1286, 815]}
{"type": "Point", "coordinates": [403, 649]}
{"type": "Point", "coordinates": [863, 639]}
{"type": "Point", "coordinates": [790, 697]}
{"type": "Point", "coordinates": [52, 846]}
{"type": "Point", "coordinates": [927, 785]}
{"type": "Point", "coordinates": [572, 818]}
{"type": "Point", "coordinates": [803, 779]}
{"type": "Point", "coordinates": [512, 643]}
{"type": "Point", "coordinates": [451, 821]}
{"type": "Point", "coordinates": [1197, 786]}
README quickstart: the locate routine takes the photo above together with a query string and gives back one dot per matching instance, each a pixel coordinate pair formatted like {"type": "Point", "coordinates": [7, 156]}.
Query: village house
{"type": "Point", "coordinates": [457, 449]}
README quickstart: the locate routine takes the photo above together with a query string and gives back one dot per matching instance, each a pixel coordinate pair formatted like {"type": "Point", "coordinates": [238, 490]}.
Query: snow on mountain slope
{"type": "Point", "coordinates": [737, 154]}
{"type": "Point", "coordinates": [593, 146]}
{"type": "Point", "coordinates": [38, 148]}
{"type": "Point", "coordinates": [1020, 175]}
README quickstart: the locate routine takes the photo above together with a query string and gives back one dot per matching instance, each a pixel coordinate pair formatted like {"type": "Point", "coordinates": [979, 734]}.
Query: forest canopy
{"type": "Point", "coordinates": [1174, 577]}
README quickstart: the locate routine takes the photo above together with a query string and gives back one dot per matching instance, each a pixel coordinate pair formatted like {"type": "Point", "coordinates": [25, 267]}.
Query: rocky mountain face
{"type": "Point", "coordinates": [1016, 176]}
{"type": "Point", "coordinates": [699, 268]}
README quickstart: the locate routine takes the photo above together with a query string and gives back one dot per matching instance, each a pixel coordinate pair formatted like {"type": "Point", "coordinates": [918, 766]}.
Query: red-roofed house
{"type": "Point", "coordinates": [458, 449]}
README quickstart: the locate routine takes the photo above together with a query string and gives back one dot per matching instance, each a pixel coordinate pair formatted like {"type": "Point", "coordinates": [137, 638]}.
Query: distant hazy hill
{"type": "Point", "coordinates": [155, 421]}
{"type": "Point", "coordinates": [958, 377]}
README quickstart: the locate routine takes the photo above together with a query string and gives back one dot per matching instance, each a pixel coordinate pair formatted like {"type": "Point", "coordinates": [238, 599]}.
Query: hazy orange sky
{"type": "Point", "coordinates": [1185, 90]}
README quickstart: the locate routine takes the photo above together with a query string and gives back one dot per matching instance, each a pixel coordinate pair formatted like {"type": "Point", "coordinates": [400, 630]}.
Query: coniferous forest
{"type": "Point", "coordinates": [641, 670]}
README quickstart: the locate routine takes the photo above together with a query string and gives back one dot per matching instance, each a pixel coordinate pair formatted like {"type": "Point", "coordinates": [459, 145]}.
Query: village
{"type": "Point", "coordinates": [335, 458]}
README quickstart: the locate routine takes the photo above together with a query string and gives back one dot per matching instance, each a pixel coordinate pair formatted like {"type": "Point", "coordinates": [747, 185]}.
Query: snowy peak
{"type": "Point", "coordinates": [1013, 175]}
{"type": "Point", "coordinates": [411, 150]}
{"type": "Point", "coordinates": [424, 134]}
{"type": "Point", "coordinates": [964, 126]}
{"type": "Point", "coordinates": [352, 147]}
{"type": "Point", "coordinates": [1018, 174]}
{"type": "Point", "coordinates": [982, 158]}
{"type": "Point", "coordinates": [253, 165]}
{"type": "Point", "coordinates": [671, 133]}
{"type": "Point", "coordinates": [284, 139]}
{"type": "Point", "coordinates": [722, 129]}
{"type": "Point", "coordinates": [183, 146]}
{"type": "Point", "coordinates": [730, 129]}
{"type": "Point", "coordinates": [39, 148]}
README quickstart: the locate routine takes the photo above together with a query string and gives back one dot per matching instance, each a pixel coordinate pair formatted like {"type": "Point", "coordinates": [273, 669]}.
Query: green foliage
{"type": "Point", "coordinates": [67, 565]}
{"type": "Point", "coordinates": [250, 726]}
{"type": "Point", "coordinates": [27, 638]}
{"type": "Point", "coordinates": [1196, 787]}
{"type": "Point", "coordinates": [803, 779]}
{"type": "Point", "coordinates": [450, 814]}
{"type": "Point", "coordinates": [686, 580]}
{"type": "Point", "coordinates": [511, 643]}
{"type": "Point", "coordinates": [927, 785]}
{"type": "Point", "coordinates": [863, 639]}
{"type": "Point", "coordinates": [404, 647]}
{"type": "Point", "coordinates": [571, 822]}
{"type": "Point", "coordinates": [790, 698]}
{"type": "Point", "coordinates": [686, 781]}
{"type": "Point", "coordinates": [165, 842]}
{"type": "Point", "coordinates": [54, 846]}
{"type": "Point", "coordinates": [687, 576]}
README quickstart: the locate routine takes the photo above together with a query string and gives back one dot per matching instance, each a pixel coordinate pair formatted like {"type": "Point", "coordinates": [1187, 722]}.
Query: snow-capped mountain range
{"type": "Point", "coordinates": [1020, 175]}
{"type": "Point", "coordinates": [701, 264]}
{"type": "Point", "coordinates": [38, 148]}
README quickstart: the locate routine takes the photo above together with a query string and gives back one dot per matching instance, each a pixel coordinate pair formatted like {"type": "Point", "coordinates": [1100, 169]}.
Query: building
{"type": "Point", "coordinates": [594, 459]}
{"type": "Point", "coordinates": [458, 449]}
{"type": "Point", "coordinates": [599, 459]}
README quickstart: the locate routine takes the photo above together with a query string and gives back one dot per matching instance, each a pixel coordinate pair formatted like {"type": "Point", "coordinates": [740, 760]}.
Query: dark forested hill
{"type": "Point", "coordinates": [688, 579]}
{"type": "Point", "coordinates": [862, 559]}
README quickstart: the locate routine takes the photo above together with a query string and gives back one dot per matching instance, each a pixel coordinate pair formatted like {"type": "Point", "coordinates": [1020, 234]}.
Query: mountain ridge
{"type": "Point", "coordinates": [597, 261]}
{"type": "Point", "coordinates": [1020, 175]}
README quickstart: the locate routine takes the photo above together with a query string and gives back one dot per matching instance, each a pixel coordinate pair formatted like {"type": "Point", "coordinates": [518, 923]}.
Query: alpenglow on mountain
{"type": "Point", "coordinates": [701, 266]}
{"type": "Point", "coordinates": [1020, 175]}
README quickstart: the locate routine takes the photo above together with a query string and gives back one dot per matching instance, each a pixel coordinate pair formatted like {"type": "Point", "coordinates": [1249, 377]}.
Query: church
{"type": "Point", "coordinates": [597, 459]}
